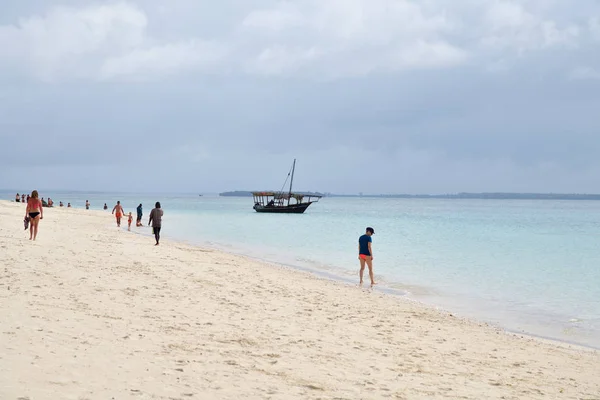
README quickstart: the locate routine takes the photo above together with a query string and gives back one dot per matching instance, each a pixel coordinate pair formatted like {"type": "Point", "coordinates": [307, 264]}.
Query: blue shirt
{"type": "Point", "coordinates": [364, 241]}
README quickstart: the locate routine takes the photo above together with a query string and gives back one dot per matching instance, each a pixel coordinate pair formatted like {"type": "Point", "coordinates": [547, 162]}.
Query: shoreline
{"type": "Point", "coordinates": [400, 294]}
{"type": "Point", "coordinates": [403, 292]}
{"type": "Point", "coordinates": [426, 296]}
{"type": "Point", "coordinates": [92, 311]}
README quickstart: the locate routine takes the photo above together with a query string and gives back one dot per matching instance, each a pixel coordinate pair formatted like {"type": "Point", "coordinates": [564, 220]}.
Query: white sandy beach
{"type": "Point", "coordinates": [89, 311]}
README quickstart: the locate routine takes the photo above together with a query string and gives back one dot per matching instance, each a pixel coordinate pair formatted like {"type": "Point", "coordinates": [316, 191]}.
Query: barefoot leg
{"type": "Point", "coordinates": [36, 221]}
{"type": "Point", "coordinates": [362, 270]}
{"type": "Point", "coordinates": [370, 265]}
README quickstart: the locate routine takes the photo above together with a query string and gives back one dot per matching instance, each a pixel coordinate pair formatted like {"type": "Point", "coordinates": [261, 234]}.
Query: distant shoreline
{"type": "Point", "coordinates": [480, 196]}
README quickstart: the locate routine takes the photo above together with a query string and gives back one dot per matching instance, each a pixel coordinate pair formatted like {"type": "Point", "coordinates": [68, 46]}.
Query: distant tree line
{"type": "Point", "coordinates": [244, 193]}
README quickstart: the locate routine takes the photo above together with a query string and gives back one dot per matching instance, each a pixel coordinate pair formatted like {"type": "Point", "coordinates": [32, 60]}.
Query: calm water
{"type": "Point", "coordinates": [531, 266]}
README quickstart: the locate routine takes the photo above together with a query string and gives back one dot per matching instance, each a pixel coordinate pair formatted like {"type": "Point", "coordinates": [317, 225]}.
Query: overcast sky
{"type": "Point", "coordinates": [386, 96]}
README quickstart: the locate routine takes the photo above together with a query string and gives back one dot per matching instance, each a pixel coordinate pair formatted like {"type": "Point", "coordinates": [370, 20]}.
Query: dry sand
{"type": "Point", "coordinates": [92, 312]}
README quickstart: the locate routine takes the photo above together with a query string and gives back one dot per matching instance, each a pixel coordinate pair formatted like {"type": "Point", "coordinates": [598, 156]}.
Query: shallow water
{"type": "Point", "coordinates": [526, 265]}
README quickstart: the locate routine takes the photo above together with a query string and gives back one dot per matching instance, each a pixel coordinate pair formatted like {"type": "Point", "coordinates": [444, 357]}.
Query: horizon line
{"type": "Point", "coordinates": [321, 192]}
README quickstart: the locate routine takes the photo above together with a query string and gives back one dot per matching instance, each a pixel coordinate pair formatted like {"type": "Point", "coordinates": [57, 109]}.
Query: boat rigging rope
{"type": "Point", "coordinates": [286, 179]}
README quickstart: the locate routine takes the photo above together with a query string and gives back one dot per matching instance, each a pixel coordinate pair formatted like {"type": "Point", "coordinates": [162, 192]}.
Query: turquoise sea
{"type": "Point", "coordinates": [529, 266]}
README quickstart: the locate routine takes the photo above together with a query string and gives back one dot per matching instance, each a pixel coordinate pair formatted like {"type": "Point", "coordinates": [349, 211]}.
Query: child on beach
{"type": "Point", "coordinates": [129, 221]}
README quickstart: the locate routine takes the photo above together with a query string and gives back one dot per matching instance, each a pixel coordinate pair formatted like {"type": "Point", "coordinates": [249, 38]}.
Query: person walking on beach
{"type": "Point", "coordinates": [35, 212]}
{"type": "Point", "coordinates": [87, 205]}
{"type": "Point", "coordinates": [138, 222]}
{"type": "Point", "coordinates": [156, 220]}
{"type": "Point", "coordinates": [365, 254]}
{"type": "Point", "coordinates": [119, 212]}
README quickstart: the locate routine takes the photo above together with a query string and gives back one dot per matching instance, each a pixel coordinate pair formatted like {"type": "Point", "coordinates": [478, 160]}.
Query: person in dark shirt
{"type": "Point", "coordinates": [138, 222]}
{"type": "Point", "coordinates": [156, 220]}
{"type": "Point", "coordinates": [365, 254]}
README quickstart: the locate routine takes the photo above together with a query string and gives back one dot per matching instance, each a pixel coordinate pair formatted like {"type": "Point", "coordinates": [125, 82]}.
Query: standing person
{"type": "Point", "coordinates": [138, 222]}
{"type": "Point", "coordinates": [18, 198]}
{"type": "Point", "coordinates": [156, 220]}
{"type": "Point", "coordinates": [35, 212]}
{"type": "Point", "coordinates": [119, 212]}
{"type": "Point", "coordinates": [23, 198]}
{"type": "Point", "coordinates": [129, 221]}
{"type": "Point", "coordinates": [365, 254]}
{"type": "Point", "coordinates": [105, 206]}
{"type": "Point", "coordinates": [87, 205]}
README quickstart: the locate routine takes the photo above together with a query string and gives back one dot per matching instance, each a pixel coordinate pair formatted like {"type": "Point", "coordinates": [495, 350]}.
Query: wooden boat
{"type": "Point", "coordinates": [282, 202]}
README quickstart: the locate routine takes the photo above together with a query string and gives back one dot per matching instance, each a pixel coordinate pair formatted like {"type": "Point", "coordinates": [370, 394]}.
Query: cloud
{"type": "Point", "coordinates": [332, 39]}
{"type": "Point", "coordinates": [98, 42]}
{"type": "Point", "coordinates": [280, 60]}
{"type": "Point", "coordinates": [285, 16]}
{"type": "Point", "coordinates": [368, 95]}
{"type": "Point", "coordinates": [350, 38]}
{"type": "Point", "coordinates": [509, 26]}
{"type": "Point", "coordinates": [72, 41]}
{"type": "Point", "coordinates": [161, 60]}
{"type": "Point", "coordinates": [584, 73]}
{"type": "Point", "coordinates": [594, 27]}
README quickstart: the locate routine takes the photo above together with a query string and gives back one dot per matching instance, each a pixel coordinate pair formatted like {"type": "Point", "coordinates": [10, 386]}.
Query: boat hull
{"type": "Point", "coordinates": [291, 209]}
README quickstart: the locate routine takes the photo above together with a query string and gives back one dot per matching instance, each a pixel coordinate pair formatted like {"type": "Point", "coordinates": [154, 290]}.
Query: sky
{"type": "Point", "coordinates": [372, 96]}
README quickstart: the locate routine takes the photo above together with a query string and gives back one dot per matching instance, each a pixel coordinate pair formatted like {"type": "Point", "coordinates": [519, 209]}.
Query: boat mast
{"type": "Point", "coordinates": [291, 181]}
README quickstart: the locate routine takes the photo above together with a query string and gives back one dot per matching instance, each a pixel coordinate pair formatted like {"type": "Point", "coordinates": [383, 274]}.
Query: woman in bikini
{"type": "Point", "coordinates": [35, 212]}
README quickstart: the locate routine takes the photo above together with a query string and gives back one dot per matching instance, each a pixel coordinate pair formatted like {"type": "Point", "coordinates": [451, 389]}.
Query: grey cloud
{"type": "Point", "coordinates": [223, 95]}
